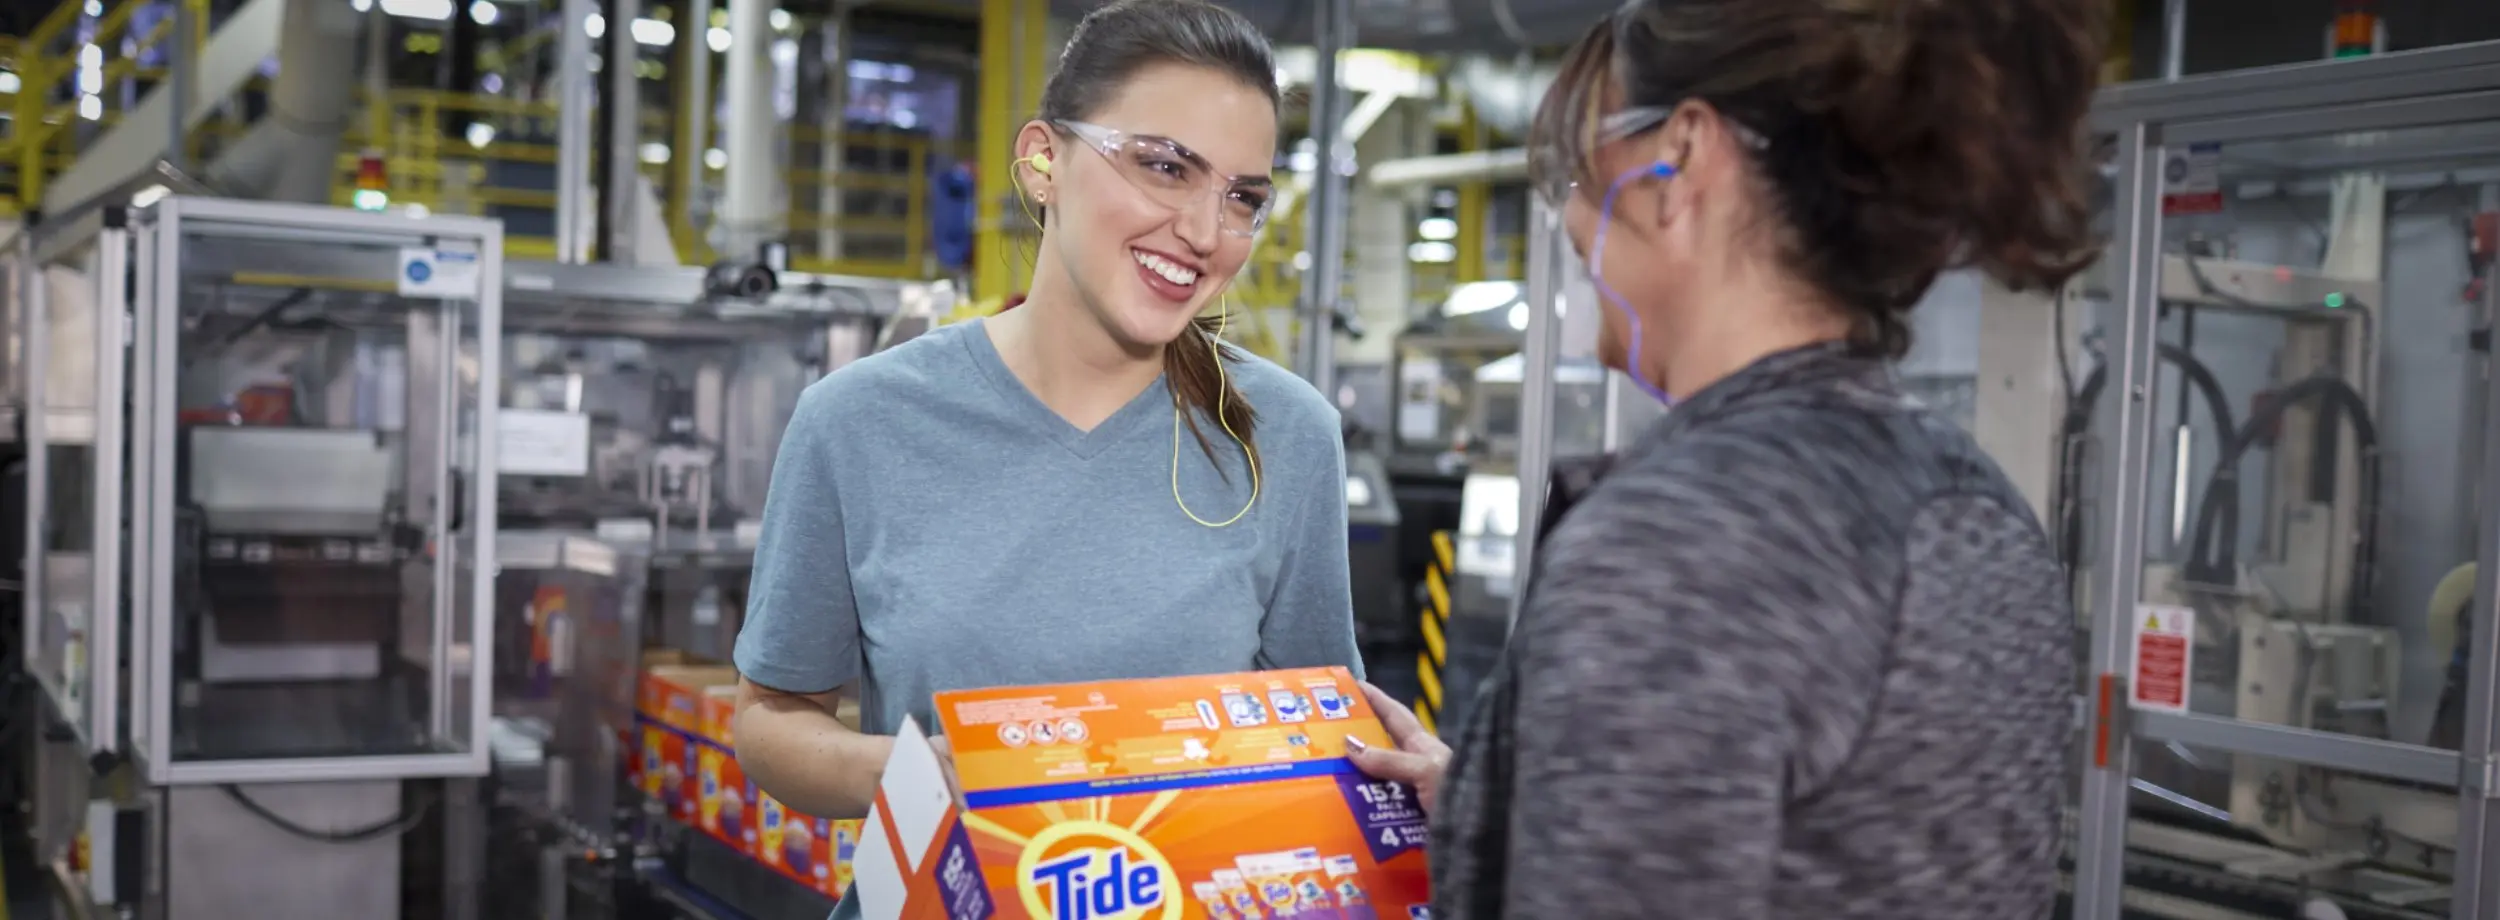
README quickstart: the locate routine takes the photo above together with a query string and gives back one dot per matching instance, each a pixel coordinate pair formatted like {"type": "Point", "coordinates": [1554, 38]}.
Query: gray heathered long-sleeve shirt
{"type": "Point", "coordinates": [1802, 654]}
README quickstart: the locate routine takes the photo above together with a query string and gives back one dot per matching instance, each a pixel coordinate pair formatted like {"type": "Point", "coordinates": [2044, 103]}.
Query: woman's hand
{"type": "Point", "coordinates": [946, 764]}
{"type": "Point", "coordinates": [1419, 759]}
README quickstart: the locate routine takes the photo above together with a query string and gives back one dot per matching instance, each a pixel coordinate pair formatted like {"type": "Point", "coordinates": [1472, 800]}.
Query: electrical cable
{"type": "Point", "coordinates": [393, 826]}
{"type": "Point", "coordinates": [2214, 539]}
{"type": "Point", "coordinates": [2079, 423]}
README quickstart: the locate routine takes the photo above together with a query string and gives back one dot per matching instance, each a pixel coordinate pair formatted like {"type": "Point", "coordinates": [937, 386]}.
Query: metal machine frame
{"type": "Point", "coordinates": [2445, 86]}
{"type": "Point", "coordinates": [154, 330]}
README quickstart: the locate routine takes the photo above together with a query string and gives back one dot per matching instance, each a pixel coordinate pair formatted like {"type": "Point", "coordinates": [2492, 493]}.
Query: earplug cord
{"type": "Point", "coordinates": [1597, 276]}
{"type": "Point", "coordinates": [1040, 163]}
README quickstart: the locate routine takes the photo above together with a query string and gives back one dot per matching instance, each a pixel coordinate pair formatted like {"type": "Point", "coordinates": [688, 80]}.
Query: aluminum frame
{"type": "Point", "coordinates": [98, 725]}
{"type": "Point", "coordinates": [1542, 350]}
{"type": "Point", "coordinates": [2426, 88]}
{"type": "Point", "coordinates": [158, 326]}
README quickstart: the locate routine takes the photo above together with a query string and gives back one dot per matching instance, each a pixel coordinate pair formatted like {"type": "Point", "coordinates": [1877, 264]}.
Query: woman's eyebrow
{"type": "Point", "coordinates": [1199, 161]}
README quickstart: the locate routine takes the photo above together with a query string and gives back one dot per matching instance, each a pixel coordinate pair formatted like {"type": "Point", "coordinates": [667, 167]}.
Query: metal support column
{"type": "Point", "coordinates": [622, 153]}
{"type": "Point", "coordinates": [575, 95]}
{"type": "Point", "coordinates": [751, 213]}
{"type": "Point", "coordinates": [694, 123]}
{"type": "Point", "coordinates": [2101, 844]}
{"type": "Point", "coordinates": [2173, 39]}
{"type": "Point", "coordinates": [2475, 894]}
{"type": "Point", "coordinates": [181, 72]}
{"type": "Point", "coordinates": [1315, 351]}
{"type": "Point", "coordinates": [1475, 202]}
{"type": "Point", "coordinates": [1014, 38]}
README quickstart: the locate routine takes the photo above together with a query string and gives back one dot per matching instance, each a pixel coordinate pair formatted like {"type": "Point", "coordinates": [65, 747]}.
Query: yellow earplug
{"type": "Point", "coordinates": [1040, 163]}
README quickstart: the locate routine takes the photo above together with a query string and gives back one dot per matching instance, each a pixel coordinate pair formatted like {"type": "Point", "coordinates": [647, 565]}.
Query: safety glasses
{"type": "Point", "coordinates": [1178, 178]}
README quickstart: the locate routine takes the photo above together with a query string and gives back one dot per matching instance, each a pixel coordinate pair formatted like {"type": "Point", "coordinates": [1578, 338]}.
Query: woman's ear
{"type": "Point", "coordinates": [1036, 155]}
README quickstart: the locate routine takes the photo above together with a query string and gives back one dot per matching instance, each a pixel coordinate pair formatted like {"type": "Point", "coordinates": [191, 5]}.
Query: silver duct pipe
{"type": "Point", "coordinates": [292, 153]}
{"type": "Point", "coordinates": [1504, 93]}
{"type": "Point", "coordinates": [1451, 26]}
{"type": "Point", "coordinates": [751, 210]}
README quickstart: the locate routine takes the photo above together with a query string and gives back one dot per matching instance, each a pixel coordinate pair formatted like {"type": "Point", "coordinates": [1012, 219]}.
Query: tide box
{"type": "Point", "coordinates": [1225, 797]}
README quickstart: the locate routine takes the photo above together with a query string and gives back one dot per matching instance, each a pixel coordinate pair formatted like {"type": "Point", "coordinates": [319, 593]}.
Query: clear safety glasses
{"type": "Point", "coordinates": [1180, 179]}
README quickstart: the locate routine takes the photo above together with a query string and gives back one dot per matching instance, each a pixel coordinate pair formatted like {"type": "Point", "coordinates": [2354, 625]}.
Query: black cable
{"type": "Point", "coordinates": [2215, 560]}
{"type": "Point", "coordinates": [2079, 422]}
{"type": "Point", "coordinates": [393, 826]}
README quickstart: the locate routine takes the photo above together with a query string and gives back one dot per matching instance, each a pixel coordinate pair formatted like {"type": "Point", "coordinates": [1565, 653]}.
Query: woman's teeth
{"type": "Point", "coordinates": [1164, 267]}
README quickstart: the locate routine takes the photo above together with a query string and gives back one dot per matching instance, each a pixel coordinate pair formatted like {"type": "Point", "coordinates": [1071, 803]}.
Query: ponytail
{"type": "Point", "coordinates": [1203, 387]}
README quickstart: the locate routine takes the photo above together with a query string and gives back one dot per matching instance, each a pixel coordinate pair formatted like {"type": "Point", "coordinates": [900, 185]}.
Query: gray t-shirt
{"type": "Point", "coordinates": [1802, 654]}
{"type": "Point", "coordinates": [933, 526]}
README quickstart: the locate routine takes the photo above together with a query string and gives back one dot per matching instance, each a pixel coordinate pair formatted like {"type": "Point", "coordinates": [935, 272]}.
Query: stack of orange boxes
{"type": "Point", "coordinates": [686, 759]}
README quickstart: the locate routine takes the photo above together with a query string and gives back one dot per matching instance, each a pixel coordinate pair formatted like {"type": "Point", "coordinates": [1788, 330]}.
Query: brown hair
{"type": "Point", "coordinates": [1901, 137]}
{"type": "Point", "coordinates": [1106, 50]}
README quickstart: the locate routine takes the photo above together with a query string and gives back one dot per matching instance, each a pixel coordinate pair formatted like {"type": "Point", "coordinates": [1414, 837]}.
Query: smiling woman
{"type": "Point", "coordinates": [1009, 501]}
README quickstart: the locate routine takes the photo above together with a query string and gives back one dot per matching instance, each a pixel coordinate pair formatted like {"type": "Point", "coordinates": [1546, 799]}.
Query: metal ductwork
{"type": "Point", "coordinates": [1504, 93]}
{"type": "Point", "coordinates": [292, 152]}
{"type": "Point", "coordinates": [1496, 26]}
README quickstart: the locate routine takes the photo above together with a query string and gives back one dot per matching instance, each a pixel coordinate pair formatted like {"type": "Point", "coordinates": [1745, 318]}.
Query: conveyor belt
{"type": "Point", "coordinates": [2175, 873]}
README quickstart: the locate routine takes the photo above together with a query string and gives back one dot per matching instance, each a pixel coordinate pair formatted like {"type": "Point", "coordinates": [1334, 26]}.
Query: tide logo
{"type": "Point", "coordinates": [1095, 870]}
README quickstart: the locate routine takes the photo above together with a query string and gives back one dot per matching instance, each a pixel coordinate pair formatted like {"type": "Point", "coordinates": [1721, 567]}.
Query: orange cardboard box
{"type": "Point", "coordinates": [1225, 797]}
{"type": "Point", "coordinates": [672, 703]}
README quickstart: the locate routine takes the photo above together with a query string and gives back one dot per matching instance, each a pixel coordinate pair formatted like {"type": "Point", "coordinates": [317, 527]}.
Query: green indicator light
{"type": "Point", "coordinates": [2335, 299]}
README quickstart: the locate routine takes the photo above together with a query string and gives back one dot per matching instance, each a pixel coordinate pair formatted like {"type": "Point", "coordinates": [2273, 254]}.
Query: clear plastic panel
{"type": "Point", "coordinates": [321, 430]}
{"type": "Point", "coordinates": [65, 348]}
{"type": "Point", "coordinates": [2311, 515]}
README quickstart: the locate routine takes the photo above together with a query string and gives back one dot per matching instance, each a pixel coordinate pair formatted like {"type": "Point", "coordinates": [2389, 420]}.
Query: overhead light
{"type": "Point", "coordinates": [654, 32]}
{"type": "Point", "coordinates": [1431, 252]}
{"type": "Point", "coordinates": [360, 5]}
{"type": "Point", "coordinates": [655, 153]}
{"type": "Point", "coordinates": [716, 158]}
{"type": "Point", "coordinates": [480, 134]}
{"type": "Point", "coordinates": [718, 38]}
{"type": "Point", "coordinates": [91, 108]}
{"type": "Point", "coordinates": [432, 10]}
{"type": "Point", "coordinates": [595, 24]}
{"type": "Point", "coordinates": [1519, 316]}
{"type": "Point", "coordinates": [1437, 228]}
{"type": "Point", "coordinates": [780, 19]}
{"type": "Point", "coordinates": [1479, 296]}
{"type": "Point", "coordinates": [94, 7]}
{"type": "Point", "coordinates": [9, 83]}
{"type": "Point", "coordinates": [484, 13]}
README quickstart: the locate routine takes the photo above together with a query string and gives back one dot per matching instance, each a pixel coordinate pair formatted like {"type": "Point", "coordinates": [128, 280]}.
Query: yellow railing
{"type": "Point", "coordinates": [428, 159]}
{"type": "Point", "coordinates": [428, 167]}
{"type": "Point", "coordinates": [38, 143]}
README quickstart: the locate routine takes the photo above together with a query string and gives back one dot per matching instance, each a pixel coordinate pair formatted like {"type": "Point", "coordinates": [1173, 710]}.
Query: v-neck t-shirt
{"type": "Point", "coordinates": [932, 525]}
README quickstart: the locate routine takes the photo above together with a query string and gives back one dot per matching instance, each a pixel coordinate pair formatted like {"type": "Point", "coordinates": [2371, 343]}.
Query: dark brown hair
{"type": "Point", "coordinates": [1901, 137]}
{"type": "Point", "coordinates": [1106, 50]}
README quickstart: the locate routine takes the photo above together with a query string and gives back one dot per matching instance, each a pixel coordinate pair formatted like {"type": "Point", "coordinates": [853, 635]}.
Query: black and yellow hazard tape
{"type": "Point", "coordinates": [1435, 657]}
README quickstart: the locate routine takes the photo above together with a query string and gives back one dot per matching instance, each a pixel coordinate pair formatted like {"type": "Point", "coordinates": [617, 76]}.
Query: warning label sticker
{"type": "Point", "coordinates": [2165, 649]}
{"type": "Point", "coordinates": [2191, 180]}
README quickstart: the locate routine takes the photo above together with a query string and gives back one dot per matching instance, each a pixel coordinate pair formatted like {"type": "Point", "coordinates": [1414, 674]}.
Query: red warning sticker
{"type": "Point", "coordinates": [2165, 647]}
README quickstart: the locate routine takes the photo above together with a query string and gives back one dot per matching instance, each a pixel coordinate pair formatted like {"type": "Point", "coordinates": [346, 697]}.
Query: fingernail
{"type": "Point", "coordinates": [1356, 743]}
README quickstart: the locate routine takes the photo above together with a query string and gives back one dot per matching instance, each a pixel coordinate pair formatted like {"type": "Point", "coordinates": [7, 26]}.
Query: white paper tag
{"type": "Point", "coordinates": [538, 442]}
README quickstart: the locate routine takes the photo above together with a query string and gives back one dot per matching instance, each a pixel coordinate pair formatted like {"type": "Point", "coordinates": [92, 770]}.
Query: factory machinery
{"type": "Point", "coordinates": [2265, 410]}
{"type": "Point", "coordinates": [347, 541]}
{"type": "Point", "coordinates": [2247, 405]}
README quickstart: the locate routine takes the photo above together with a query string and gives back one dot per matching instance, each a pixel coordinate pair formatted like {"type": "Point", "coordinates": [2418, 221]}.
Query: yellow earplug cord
{"type": "Point", "coordinates": [1224, 385]}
